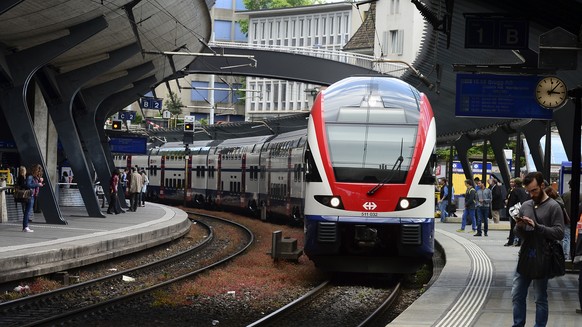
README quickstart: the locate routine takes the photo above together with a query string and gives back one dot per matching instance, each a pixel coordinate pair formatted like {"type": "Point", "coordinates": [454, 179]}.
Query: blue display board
{"type": "Point", "coordinates": [150, 103]}
{"type": "Point", "coordinates": [126, 115]}
{"type": "Point", "coordinates": [498, 96]}
{"type": "Point", "coordinates": [136, 145]}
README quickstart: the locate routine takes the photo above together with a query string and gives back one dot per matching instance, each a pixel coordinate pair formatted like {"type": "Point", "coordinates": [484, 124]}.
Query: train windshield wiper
{"type": "Point", "coordinates": [392, 172]}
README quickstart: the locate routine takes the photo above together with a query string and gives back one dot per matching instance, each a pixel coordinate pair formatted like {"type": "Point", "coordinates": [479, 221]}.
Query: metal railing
{"type": "Point", "coordinates": [395, 69]}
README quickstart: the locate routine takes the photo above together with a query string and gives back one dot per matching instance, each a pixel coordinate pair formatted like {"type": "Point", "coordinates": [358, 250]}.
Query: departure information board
{"type": "Point", "coordinates": [498, 96]}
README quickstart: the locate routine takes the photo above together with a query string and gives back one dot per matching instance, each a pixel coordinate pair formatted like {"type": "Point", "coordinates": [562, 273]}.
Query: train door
{"type": "Point", "coordinates": [252, 178]}
{"type": "Point", "coordinates": [154, 165]}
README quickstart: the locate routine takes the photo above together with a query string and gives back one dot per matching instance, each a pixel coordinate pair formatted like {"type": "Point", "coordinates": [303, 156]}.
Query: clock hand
{"type": "Point", "coordinates": [553, 88]}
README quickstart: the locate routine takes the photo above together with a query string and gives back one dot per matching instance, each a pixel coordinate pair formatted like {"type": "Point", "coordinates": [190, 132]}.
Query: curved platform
{"type": "Point", "coordinates": [474, 287]}
{"type": "Point", "coordinates": [84, 240]}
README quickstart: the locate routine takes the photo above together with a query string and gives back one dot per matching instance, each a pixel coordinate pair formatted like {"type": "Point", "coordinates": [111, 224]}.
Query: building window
{"type": "Point", "coordinates": [394, 7]}
{"type": "Point", "coordinates": [222, 30]}
{"type": "Point", "coordinates": [223, 4]}
{"type": "Point", "coordinates": [240, 5]}
{"type": "Point", "coordinates": [238, 34]}
{"type": "Point", "coordinates": [396, 41]}
{"type": "Point", "coordinates": [200, 92]}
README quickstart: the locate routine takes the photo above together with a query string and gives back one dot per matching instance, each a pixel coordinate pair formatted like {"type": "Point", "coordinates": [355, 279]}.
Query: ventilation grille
{"type": "Point", "coordinates": [411, 234]}
{"type": "Point", "coordinates": [326, 232]}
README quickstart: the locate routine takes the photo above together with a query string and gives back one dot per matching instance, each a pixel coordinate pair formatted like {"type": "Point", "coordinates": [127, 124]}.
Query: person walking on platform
{"type": "Point", "coordinates": [469, 211]}
{"type": "Point", "coordinates": [446, 196]}
{"type": "Point", "coordinates": [34, 182]}
{"type": "Point", "coordinates": [21, 184]}
{"type": "Point", "coordinates": [540, 217]}
{"type": "Point", "coordinates": [482, 207]}
{"type": "Point", "coordinates": [516, 195]}
{"type": "Point", "coordinates": [145, 181]}
{"type": "Point", "coordinates": [123, 179]}
{"type": "Point", "coordinates": [135, 185]}
{"type": "Point", "coordinates": [496, 200]}
{"type": "Point", "coordinates": [113, 183]}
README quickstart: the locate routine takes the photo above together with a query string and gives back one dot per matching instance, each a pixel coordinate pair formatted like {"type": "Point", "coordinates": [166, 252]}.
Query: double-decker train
{"type": "Point", "coordinates": [360, 177]}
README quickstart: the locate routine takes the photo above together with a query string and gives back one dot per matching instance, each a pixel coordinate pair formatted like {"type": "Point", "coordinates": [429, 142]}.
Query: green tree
{"type": "Point", "coordinates": [173, 104]}
{"type": "Point", "coordinates": [272, 4]}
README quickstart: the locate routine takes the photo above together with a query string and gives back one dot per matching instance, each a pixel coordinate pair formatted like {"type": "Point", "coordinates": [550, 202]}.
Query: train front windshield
{"type": "Point", "coordinates": [371, 128]}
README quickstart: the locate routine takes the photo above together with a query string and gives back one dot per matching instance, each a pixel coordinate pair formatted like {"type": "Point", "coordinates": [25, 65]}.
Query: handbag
{"type": "Point", "coordinates": [541, 258]}
{"type": "Point", "coordinates": [557, 260]}
{"type": "Point", "coordinates": [22, 195]}
{"type": "Point", "coordinates": [533, 258]}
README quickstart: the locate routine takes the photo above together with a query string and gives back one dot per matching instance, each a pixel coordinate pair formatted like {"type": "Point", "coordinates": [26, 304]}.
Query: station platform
{"type": "Point", "coordinates": [84, 240]}
{"type": "Point", "coordinates": [474, 287]}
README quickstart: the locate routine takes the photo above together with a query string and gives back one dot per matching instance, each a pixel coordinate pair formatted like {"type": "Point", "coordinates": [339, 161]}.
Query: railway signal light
{"type": "Point", "coordinates": [189, 123]}
{"type": "Point", "coordinates": [116, 124]}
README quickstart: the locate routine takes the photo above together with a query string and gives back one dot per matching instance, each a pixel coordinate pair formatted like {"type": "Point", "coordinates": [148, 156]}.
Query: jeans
{"type": "Point", "coordinates": [443, 208]}
{"type": "Point", "coordinates": [471, 214]}
{"type": "Point", "coordinates": [519, 299]}
{"type": "Point", "coordinates": [483, 217]}
{"type": "Point", "coordinates": [27, 211]}
{"type": "Point", "coordinates": [566, 243]}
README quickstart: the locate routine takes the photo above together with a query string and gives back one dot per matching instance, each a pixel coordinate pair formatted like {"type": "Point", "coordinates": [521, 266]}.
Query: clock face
{"type": "Point", "coordinates": [551, 92]}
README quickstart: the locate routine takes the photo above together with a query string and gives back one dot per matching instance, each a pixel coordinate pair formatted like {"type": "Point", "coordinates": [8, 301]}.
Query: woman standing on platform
{"type": "Point", "coordinates": [113, 183]}
{"type": "Point", "coordinates": [34, 182]}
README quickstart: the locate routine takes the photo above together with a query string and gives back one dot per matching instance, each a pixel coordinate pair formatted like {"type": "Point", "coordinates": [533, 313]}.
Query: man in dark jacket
{"type": "Point", "coordinates": [539, 218]}
{"type": "Point", "coordinates": [496, 201]}
{"type": "Point", "coordinates": [469, 212]}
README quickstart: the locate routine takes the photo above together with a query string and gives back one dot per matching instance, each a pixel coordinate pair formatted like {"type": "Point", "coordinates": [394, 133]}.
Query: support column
{"type": "Point", "coordinates": [115, 103]}
{"type": "Point", "coordinates": [498, 141]}
{"type": "Point", "coordinates": [90, 130]}
{"type": "Point", "coordinates": [23, 65]}
{"type": "Point", "coordinates": [47, 136]}
{"type": "Point", "coordinates": [68, 85]}
{"type": "Point", "coordinates": [533, 132]}
{"type": "Point", "coordinates": [463, 144]}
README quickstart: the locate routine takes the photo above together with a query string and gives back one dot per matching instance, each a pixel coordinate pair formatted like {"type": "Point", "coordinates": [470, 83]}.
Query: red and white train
{"type": "Point", "coordinates": [360, 178]}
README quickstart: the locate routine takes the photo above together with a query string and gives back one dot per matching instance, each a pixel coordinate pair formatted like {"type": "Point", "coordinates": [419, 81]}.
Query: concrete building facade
{"type": "Point", "coordinates": [308, 29]}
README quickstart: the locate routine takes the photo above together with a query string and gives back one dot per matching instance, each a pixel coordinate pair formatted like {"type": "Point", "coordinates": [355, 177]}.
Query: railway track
{"type": "Point", "coordinates": [335, 304]}
{"type": "Point", "coordinates": [75, 304]}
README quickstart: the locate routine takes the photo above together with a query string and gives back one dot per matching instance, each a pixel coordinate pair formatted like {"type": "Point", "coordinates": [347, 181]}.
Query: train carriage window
{"type": "Point", "coordinates": [167, 182]}
{"type": "Point", "coordinates": [311, 171]}
{"type": "Point", "coordinates": [179, 184]}
{"type": "Point", "coordinates": [428, 174]}
{"type": "Point", "coordinates": [238, 187]}
{"type": "Point", "coordinates": [202, 171]}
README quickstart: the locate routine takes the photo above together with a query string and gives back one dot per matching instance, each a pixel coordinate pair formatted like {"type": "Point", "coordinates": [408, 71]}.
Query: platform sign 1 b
{"type": "Point", "coordinates": [150, 103]}
{"type": "Point", "coordinates": [496, 32]}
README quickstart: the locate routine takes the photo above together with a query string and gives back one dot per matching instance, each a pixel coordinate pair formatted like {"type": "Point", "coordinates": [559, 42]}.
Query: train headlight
{"type": "Point", "coordinates": [330, 201]}
{"type": "Point", "coordinates": [409, 203]}
{"type": "Point", "coordinates": [335, 202]}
